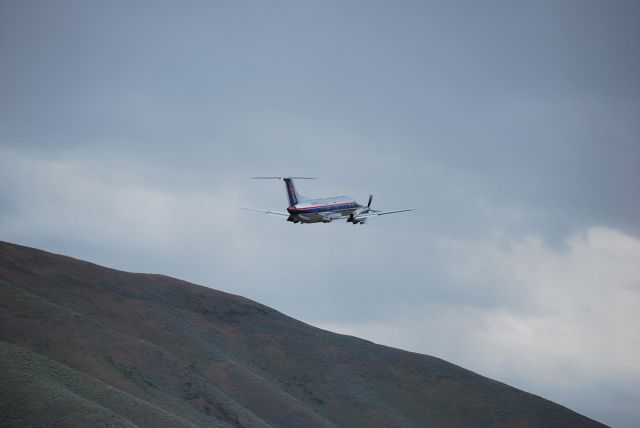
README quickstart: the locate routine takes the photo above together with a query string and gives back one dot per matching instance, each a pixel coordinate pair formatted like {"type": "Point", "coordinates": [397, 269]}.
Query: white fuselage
{"type": "Point", "coordinates": [322, 209]}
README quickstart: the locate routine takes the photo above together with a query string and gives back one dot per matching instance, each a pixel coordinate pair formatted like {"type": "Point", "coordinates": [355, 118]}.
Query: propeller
{"type": "Point", "coordinates": [353, 218]}
{"type": "Point", "coordinates": [362, 209]}
{"type": "Point", "coordinates": [369, 205]}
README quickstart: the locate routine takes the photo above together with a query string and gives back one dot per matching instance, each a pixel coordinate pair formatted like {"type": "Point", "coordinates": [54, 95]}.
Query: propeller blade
{"type": "Point", "coordinates": [369, 203]}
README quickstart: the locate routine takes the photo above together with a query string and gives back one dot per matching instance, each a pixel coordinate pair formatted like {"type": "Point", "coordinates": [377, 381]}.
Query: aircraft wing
{"type": "Point", "coordinates": [265, 211]}
{"type": "Point", "coordinates": [377, 213]}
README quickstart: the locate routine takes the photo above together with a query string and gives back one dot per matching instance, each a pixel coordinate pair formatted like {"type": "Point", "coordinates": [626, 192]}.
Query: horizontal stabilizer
{"type": "Point", "coordinates": [283, 178]}
{"type": "Point", "coordinates": [292, 194]}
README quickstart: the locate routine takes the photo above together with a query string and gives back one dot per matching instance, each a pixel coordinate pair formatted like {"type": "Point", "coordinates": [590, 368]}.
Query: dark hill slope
{"type": "Point", "coordinates": [208, 358]}
{"type": "Point", "coordinates": [35, 389]}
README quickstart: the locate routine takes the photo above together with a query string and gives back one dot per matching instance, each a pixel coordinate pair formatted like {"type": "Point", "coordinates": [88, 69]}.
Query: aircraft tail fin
{"type": "Point", "coordinates": [292, 194]}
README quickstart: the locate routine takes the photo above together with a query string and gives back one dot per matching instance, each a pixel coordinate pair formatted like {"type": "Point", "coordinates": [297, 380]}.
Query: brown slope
{"type": "Point", "coordinates": [206, 356]}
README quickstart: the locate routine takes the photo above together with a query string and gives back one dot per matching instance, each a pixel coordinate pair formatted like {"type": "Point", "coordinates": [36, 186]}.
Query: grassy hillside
{"type": "Point", "coordinates": [34, 389]}
{"type": "Point", "coordinates": [210, 358]}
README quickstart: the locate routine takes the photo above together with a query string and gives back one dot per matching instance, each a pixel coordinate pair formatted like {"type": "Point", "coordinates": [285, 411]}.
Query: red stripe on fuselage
{"type": "Point", "coordinates": [352, 205]}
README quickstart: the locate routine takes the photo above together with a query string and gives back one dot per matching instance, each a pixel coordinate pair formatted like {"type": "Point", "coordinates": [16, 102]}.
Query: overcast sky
{"type": "Point", "coordinates": [128, 131]}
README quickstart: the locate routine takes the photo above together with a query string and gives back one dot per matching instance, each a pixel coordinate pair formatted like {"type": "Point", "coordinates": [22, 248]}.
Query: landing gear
{"type": "Point", "coordinates": [356, 220]}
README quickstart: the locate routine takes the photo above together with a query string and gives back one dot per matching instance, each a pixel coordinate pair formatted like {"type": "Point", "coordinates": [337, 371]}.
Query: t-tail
{"type": "Point", "coordinates": [292, 194]}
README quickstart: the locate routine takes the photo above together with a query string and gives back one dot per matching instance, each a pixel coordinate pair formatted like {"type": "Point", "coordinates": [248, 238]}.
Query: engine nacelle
{"type": "Point", "coordinates": [360, 211]}
{"type": "Point", "coordinates": [329, 217]}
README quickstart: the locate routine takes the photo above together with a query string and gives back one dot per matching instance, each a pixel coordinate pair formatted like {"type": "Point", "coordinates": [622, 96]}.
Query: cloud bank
{"type": "Point", "coordinates": [564, 321]}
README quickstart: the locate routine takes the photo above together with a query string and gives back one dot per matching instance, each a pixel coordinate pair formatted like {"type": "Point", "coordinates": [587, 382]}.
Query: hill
{"type": "Point", "coordinates": [88, 345]}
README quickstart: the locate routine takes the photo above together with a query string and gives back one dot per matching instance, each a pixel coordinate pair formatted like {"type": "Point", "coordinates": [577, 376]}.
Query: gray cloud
{"type": "Point", "coordinates": [127, 132]}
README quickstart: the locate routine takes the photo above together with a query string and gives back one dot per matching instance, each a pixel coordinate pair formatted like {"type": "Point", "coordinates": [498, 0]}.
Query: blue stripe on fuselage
{"type": "Point", "coordinates": [323, 208]}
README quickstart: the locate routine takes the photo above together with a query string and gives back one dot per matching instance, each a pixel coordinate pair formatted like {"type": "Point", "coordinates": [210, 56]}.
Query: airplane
{"type": "Point", "coordinates": [322, 210]}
